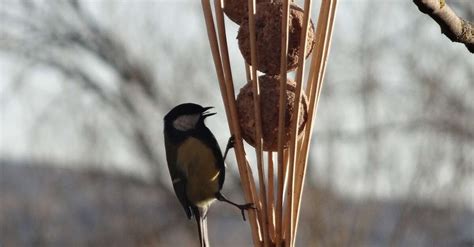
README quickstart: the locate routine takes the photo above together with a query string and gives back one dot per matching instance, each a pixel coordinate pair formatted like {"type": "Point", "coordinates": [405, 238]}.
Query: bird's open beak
{"type": "Point", "coordinates": [206, 114]}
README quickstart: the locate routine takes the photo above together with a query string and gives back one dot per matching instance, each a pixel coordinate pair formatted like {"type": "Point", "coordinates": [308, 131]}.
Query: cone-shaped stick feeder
{"type": "Point", "coordinates": [275, 37]}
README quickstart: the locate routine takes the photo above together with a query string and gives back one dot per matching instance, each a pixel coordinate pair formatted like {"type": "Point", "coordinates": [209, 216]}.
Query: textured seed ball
{"type": "Point", "coordinates": [270, 94]}
{"type": "Point", "coordinates": [268, 37]}
{"type": "Point", "coordinates": [237, 10]}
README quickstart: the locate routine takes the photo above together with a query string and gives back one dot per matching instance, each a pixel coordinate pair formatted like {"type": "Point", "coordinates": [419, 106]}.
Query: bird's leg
{"type": "Point", "coordinates": [230, 145]}
{"type": "Point", "coordinates": [242, 207]}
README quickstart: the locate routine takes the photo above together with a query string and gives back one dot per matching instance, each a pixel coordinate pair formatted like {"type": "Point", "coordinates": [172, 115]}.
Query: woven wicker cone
{"type": "Point", "coordinates": [269, 89]}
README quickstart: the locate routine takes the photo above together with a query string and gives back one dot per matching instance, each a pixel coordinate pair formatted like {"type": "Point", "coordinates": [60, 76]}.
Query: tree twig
{"type": "Point", "coordinates": [453, 26]}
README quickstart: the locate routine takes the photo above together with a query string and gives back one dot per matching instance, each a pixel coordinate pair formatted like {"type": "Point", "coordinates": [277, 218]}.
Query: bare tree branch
{"type": "Point", "coordinates": [454, 27]}
{"type": "Point", "coordinates": [59, 34]}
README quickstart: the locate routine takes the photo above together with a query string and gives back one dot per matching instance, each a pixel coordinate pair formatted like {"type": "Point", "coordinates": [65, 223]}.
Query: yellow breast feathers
{"type": "Point", "coordinates": [198, 163]}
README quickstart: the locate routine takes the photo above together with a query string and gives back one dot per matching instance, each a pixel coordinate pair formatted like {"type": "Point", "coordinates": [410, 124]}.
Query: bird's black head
{"type": "Point", "coordinates": [186, 117]}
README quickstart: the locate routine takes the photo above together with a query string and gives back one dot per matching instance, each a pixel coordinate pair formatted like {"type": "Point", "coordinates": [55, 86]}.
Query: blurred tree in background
{"type": "Point", "coordinates": [85, 85]}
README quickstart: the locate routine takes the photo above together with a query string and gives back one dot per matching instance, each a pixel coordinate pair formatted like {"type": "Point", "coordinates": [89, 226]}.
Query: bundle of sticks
{"type": "Point", "coordinates": [277, 198]}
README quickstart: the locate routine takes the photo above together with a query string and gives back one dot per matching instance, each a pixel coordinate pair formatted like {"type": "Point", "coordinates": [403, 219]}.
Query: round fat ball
{"type": "Point", "coordinates": [237, 10]}
{"type": "Point", "coordinates": [269, 99]}
{"type": "Point", "coordinates": [268, 37]}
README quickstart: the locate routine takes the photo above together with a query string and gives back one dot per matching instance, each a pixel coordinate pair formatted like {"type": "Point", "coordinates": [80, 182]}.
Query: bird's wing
{"type": "Point", "coordinates": [178, 177]}
{"type": "Point", "coordinates": [210, 140]}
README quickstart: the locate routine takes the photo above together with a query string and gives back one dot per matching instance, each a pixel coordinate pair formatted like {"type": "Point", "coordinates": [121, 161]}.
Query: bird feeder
{"type": "Point", "coordinates": [275, 37]}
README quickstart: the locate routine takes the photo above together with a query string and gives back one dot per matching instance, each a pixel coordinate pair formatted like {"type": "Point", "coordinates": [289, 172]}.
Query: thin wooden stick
{"type": "Point", "coordinates": [327, 14]}
{"type": "Point", "coordinates": [258, 119]}
{"type": "Point", "coordinates": [303, 43]}
{"type": "Point", "coordinates": [248, 74]}
{"type": "Point", "coordinates": [286, 178]}
{"type": "Point", "coordinates": [326, 51]}
{"type": "Point", "coordinates": [231, 112]}
{"type": "Point", "coordinates": [318, 78]}
{"type": "Point", "coordinates": [295, 121]}
{"type": "Point", "coordinates": [271, 197]}
{"type": "Point", "coordinates": [211, 33]}
{"type": "Point", "coordinates": [317, 56]}
{"type": "Point", "coordinates": [286, 158]}
{"type": "Point", "coordinates": [230, 92]}
{"type": "Point", "coordinates": [281, 120]}
{"type": "Point", "coordinates": [260, 212]}
{"type": "Point", "coordinates": [299, 79]}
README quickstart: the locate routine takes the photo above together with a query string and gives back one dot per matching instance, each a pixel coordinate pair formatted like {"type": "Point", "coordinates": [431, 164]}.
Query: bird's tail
{"type": "Point", "coordinates": [201, 220]}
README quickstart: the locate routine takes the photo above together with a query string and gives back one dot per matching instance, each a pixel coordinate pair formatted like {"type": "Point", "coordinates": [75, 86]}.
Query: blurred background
{"type": "Point", "coordinates": [84, 86]}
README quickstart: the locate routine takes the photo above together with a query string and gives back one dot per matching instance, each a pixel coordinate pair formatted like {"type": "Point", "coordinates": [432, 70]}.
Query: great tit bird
{"type": "Point", "coordinates": [195, 163]}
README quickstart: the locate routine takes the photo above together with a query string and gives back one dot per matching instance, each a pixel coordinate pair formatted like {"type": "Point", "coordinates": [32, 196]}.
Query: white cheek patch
{"type": "Point", "coordinates": [186, 122]}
